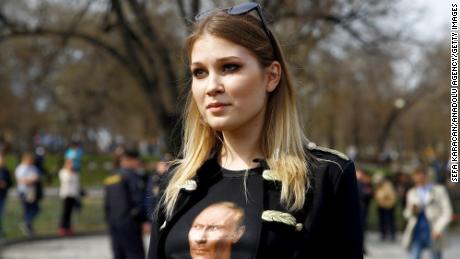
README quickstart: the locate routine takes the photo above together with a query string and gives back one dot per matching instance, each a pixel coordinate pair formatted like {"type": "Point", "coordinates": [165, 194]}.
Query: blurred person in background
{"type": "Point", "coordinates": [27, 177]}
{"type": "Point", "coordinates": [75, 153]}
{"type": "Point", "coordinates": [385, 197]}
{"type": "Point", "coordinates": [154, 182]}
{"type": "Point", "coordinates": [428, 211]}
{"type": "Point", "coordinates": [39, 162]}
{"type": "Point", "coordinates": [69, 192]}
{"type": "Point", "coordinates": [124, 208]}
{"type": "Point", "coordinates": [402, 186]}
{"type": "Point", "coordinates": [366, 193]}
{"type": "Point", "coordinates": [437, 165]}
{"type": "Point", "coordinates": [116, 158]}
{"type": "Point", "coordinates": [5, 184]}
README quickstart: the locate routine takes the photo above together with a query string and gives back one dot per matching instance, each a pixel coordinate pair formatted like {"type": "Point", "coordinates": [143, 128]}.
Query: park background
{"type": "Point", "coordinates": [372, 79]}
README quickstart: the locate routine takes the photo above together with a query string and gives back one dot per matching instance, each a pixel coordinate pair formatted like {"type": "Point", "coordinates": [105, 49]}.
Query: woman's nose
{"type": "Point", "coordinates": [215, 85]}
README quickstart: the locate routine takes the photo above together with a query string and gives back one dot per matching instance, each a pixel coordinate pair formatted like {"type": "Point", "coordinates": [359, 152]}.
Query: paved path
{"type": "Point", "coordinates": [97, 247]}
{"type": "Point", "coordinates": [94, 247]}
{"type": "Point", "coordinates": [389, 250]}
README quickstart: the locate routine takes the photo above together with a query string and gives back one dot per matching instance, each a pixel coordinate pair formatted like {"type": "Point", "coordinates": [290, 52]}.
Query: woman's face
{"type": "Point", "coordinates": [229, 86]}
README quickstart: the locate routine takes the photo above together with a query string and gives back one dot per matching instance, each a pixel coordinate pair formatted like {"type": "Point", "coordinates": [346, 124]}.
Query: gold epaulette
{"type": "Point", "coordinates": [313, 146]}
{"type": "Point", "coordinates": [112, 179]}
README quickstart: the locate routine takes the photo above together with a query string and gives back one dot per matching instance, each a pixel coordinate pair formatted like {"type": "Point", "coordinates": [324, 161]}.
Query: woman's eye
{"type": "Point", "coordinates": [199, 73]}
{"type": "Point", "coordinates": [231, 67]}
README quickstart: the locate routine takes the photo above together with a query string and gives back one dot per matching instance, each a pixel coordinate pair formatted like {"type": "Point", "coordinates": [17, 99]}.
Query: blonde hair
{"type": "Point", "coordinates": [282, 140]}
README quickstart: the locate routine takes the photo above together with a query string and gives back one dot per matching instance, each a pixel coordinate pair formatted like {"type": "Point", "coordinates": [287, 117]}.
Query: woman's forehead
{"type": "Point", "coordinates": [211, 48]}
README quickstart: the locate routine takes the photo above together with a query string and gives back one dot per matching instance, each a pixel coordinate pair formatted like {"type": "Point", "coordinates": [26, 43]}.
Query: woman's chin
{"type": "Point", "coordinates": [221, 126]}
{"type": "Point", "coordinates": [228, 125]}
{"type": "Point", "coordinates": [218, 124]}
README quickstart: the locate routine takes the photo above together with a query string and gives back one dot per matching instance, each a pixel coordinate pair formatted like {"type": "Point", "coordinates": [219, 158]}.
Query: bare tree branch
{"type": "Point", "coordinates": [77, 35]}
{"type": "Point", "coordinates": [160, 48]}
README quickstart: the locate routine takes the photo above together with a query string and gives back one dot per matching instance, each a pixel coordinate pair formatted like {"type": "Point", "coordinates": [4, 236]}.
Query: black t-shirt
{"type": "Point", "coordinates": [225, 223]}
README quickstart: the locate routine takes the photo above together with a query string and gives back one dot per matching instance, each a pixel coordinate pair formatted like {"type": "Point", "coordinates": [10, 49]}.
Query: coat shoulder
{"type": "Point", "coordinates": [111, 180]}
{"type": "Point", "coordinates": [441, 191]}
{"type": "Point", "coordinates": [326, 156]}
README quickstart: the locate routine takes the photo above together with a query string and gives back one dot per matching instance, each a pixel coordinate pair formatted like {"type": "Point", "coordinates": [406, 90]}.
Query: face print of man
{"type": "Point", "coordinates": [215, 230]}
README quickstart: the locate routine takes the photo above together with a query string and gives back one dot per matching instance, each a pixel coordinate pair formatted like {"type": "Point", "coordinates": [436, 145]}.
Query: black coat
{"type": "Point", "coordinates": [124, 198]}
{"type": "Point", "coordinates": [6, 177]}
{"type": "Point", "coordinates": [328, 227]}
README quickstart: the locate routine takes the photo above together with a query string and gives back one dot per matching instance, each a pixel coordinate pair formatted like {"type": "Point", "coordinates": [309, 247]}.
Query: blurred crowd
{"type": "Point", "coordinates": [416, 202]}
{"type": "Point", "coordinates": [31, 175]}
{"type": "Point", "coordinates": [420, 198]}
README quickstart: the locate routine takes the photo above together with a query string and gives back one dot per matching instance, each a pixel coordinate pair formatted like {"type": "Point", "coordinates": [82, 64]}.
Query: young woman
{"type": "Point", "coordinates": [69, 192]}
{"type": "Point", "coordinates": [243, 145]}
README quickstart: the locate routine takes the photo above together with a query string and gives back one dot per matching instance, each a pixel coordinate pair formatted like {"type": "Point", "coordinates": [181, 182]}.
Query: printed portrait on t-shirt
{"type": "Point", "coordinates": [222, 223]}
{"type": "Point", "coordinates": [215, 230]}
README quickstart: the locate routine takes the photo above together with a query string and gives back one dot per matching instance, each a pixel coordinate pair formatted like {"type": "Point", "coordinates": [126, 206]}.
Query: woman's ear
{"type": "Point", "coordinates": [273, 73]}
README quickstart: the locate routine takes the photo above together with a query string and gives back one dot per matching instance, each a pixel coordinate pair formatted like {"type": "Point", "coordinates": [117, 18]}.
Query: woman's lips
{"type": "Point", "coordinates": [216, 107]}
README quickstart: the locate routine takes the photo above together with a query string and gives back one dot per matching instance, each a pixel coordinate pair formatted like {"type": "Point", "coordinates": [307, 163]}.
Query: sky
{"type": "Point", "coordinates": [428, 22]}
{"type": "Point", "coordinates": [434, 22]}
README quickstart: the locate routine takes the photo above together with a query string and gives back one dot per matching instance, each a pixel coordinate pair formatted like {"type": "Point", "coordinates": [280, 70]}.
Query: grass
{"type": "Point", "coordinates": [90, 218]}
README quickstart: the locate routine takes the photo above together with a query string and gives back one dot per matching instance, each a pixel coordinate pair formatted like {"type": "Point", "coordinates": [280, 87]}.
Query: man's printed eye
{"type": "Point", "coordinates": [197, 226]}
{"type": "Point", "coordinates": [213, 228]}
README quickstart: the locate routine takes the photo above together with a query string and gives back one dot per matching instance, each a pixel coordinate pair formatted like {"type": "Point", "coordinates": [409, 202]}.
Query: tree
{"type": "Point", "coordinates": [145, 37]}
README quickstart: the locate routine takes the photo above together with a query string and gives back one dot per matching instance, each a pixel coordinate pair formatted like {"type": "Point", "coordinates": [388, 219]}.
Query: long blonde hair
{"type": "Point", "coordinates": [282, 140]}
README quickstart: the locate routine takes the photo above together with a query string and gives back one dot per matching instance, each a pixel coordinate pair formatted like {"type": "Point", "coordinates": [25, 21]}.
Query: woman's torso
{"type": "Point", "coordinates": [328, 226]}
{"type": "Point", "coordinates": [23, 172]}
{"type": "Point", "coordinates": [70, 186]}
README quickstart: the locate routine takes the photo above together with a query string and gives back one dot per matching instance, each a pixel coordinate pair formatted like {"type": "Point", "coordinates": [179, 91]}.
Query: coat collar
{"type": "Point", "coordinates": [424, 194]}
{"type": "Point", "coordinates": [210, 169]}
{"type": "Point", "coordinates": [209, 172]}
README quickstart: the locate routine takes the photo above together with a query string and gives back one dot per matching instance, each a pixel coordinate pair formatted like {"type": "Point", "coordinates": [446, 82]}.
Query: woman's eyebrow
{"type": "Point", "coordinates": [227, 58]}
{"type": "Point", "coordinates": [219, 60]}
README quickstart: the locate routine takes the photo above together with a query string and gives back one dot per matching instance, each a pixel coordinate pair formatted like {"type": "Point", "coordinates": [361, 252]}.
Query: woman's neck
{"type": "Point", "coordinates": [240, 149]}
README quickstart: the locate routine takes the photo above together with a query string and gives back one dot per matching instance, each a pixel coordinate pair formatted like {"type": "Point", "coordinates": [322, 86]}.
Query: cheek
{"type": "Point", "coordinates": [195, 92]}
{"type": "Point", "coordinates": [198, 96]}
{"type": "Point", "coordinates": [247, 91]}
{"type": "Point", "coordinates": [193, 235]}
{"type": "Point", "coordinates": [216, 236]}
